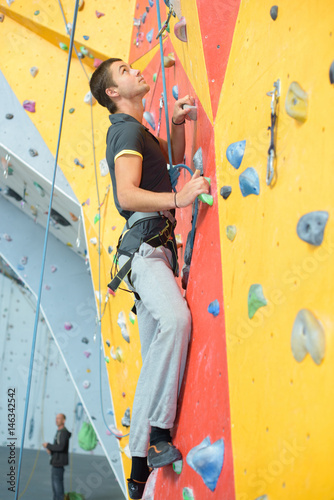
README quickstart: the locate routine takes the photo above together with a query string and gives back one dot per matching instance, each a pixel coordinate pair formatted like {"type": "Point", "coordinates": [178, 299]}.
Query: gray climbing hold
{"type": "Point", "coordinates": [121, 321]}
{"type": "Point", "coordinates": [149, 36]}
{"type": "Point", "coordinates": [235, 153]}
{"type": "Point", "coordinates": [9, 116]}
{"type": "Point", "coordinates": [126, 420]}
{"type": "Point", "coordinates": [331, 73]}
{"type": "Point", "coordinates": [85, 340]}
{"type": "Point", "coordinates": [33, 71]}
{"type": "Point", "coordinates": [33, 152]}
{"type": "Point", "coordinates": [296, 102]}
{"type": "Point", "coordinates": [226, 191]}
{"type": "Point", "coordinates": [308, 337]}
{"type": "Point", "coordinates": [249, 182]}
{"type": "Point", "coordinates": [256, 299]}
{"type": "Point", "coordinates": [198, 160]}
{"type": "Point", "coordinates": [274, 12]}
{"type": "Point", "coordinates": [311, 227]}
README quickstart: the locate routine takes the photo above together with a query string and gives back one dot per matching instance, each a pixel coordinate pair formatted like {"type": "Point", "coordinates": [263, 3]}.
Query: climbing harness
{"type": "Point", "coordinates": [274, 94]}
{"type": "Point", "coordinates": [44, 256]}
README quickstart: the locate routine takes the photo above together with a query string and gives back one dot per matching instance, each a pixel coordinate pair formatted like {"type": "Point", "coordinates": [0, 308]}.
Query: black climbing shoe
{"type": "Point", "coordinates": [136, 489]}
{"type": "Point", "coordinates": [161, 454]}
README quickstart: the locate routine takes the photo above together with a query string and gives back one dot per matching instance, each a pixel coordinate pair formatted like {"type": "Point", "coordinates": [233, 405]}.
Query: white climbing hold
{"type": "Point", "coordinates": [89, 99]}
{"type": "Point", "coordinates": [93, 241]}
{"type": "Point", "coordinates": [104, 169]}
{"type": "Point", "coordinates": [308, 337]}
{"type": "Point", "coordinates": [86, 384]}
{"type": "Point", "coordinates": [121, 321]}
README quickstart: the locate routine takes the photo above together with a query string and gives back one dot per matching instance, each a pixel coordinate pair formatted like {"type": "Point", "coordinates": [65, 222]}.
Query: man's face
{"type": "Point", "coordinates": [59, 420]}
{"type": "Point", "coordinates": [129, 82]}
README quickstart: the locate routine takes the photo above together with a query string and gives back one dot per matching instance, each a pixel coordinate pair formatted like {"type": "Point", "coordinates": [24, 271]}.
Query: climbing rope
{"type": "Point", "coordinates": [44, 254]}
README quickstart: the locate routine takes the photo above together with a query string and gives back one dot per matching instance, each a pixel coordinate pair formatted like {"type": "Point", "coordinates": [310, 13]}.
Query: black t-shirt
{"type": "Point", "coordinates": [128, 135]}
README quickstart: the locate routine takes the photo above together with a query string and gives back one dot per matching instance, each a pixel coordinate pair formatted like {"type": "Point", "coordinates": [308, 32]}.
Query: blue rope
{"type": "Point", "coordinates": [164, 88]}
{"type": "Point", "coordinates": [44, 254]}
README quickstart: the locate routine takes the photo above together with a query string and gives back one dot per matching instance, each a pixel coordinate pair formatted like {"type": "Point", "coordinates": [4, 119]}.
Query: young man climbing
{"type": "Point", "coordinates": [143, 196]}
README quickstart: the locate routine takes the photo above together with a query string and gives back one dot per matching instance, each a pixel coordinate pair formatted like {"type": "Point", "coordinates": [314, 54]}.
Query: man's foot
{"type": "Point", "coordinates": [136, 489]}
{"type": "Point", "coordinates": [161, 454]}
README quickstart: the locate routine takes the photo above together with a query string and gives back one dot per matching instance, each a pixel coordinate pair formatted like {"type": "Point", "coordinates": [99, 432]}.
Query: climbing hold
{"type": "Point", "coordinates": [96, 218]}
{"type": "Point", "coordinates": [7, 237]}
{"type": "Point", "coordinates": [126, 420]}
{"type": "Point", "coordinates": [39, 189]}
{"type": "Point", "coordinates": [97, 62]}
{"type": "Point", "coordinates": [2, 17]}
{"type": "Point", "coordinates": [116, 432]}
{"type": "Point", "coordinates": [169, 60]}
{"type": "Point", "coordinates": [104, 168]}
{"type": "Point", "coordinates": [106, 359]}
{"type": "Point", "coordinates": [33, 71]}
{"type": "Point", "coordinates": [235, 153]}
{"type": "Point", "coordinates": [249, 182]}
{"type": "Point", "coordinates": [89, 99]}
{"type": "Point", "coordinates": [47, 287]}
{"type": "Point", "coordinates": [113, 228]}
{"type": "Point", "coordinates": [53, 269]}
{"type": "Point", "coordinates": [226, 191]}
{"type": "Point", "coordinates": [188, 493]}
{"type": "Point", "coordinates": [132, 317]}
{"type": "Point", "coordinates": [24, 260]}
{"type": "Point", "coordinates": [207, 460]}
{"type": "Point", "coordinates": [150, 119]}
{"type": "Point", "coordinates": [214, 308]}
{"type": "Point", "coordinates": [178, 240]}
{"type": "Point", "coordinates": [68, 326]}
{"type": "Point", "coordinates": [9, 2]}
{"type": "Point", "coordinates": [73, 217]}
{"type": "Point", "coordinates": [311, 227]}
{"type": "Point", "coordinates": [86, 384]}
{"type": "Point", "coordinates": [175, 92]}
{"type": "Point", "coordinates": [36, 13]}
{"type": "Point", "coordinates": [30, 106]}
{"type": "Point", "coordinates": [119, 354]}
{"type": "Point", "coordinates": [206, 198]}
{"type": "Point", "coordinates": [274, 12]}
{"type": "Point", "coordinates": [77, 162]}
{"type": "Point", "coordinates": [112, 353]}
{"type": "Point", "coordinates": [192, 114]}
{"type": "Point", "coordinates": [63, 46]}
{"type": "Point", "coordinates": [149, 493]}
{"type": "Point", "coordinates": [71, 110]}
{"type": "Point", "coordinates": [149, 36]}
{"type": "Point", "coordinates": [185, 276]}
{"type": "Point", "coordinates": [180, 30]}
{"type": "Point", "coordinates": [99, 14]}
{"type": "Point", "coordinates": [93, 241]}
{"type": "Point", "coordinates": [154, 77]}
{"type": "Point", "coordinates": [123, 394]}
{"type": "Point", "coordinates": [143, 17]}
{"type": "Point", "coordinates": [256, 299]}
{"type": "Point", "coordinates": [151, 3]}
{"type": "Point", "coordinates": [85, 37]}
{"type": "Point", "coordinates": [108, 343]}
{"type": "Point", "coordinates": [9, 116]}
{"type": "Point", "coordinates": [231, 232]}
{"type": "Point", "coordinates": [33, 152]}
{"type": "Point", "coordinates": [308, 337]}
{"type": "Point", "coordinates": [331, 73]}
{"type": "Point", "coordinates": [144, 102]}
{"type": "Point", "coordinates": [81, 4]}
{"type": "Point", "coordinates": [87, 354]}
{"type": "Point", "coordinates": [121, 321]}
{"type": "Point", "coordinates": [296, 102]}
{"type": "Point", "coordinates": [84, 51]}
{"type": "Point", "coordinates": [20, 267]}
{"type": "Point", "coordinates": [198, 160]}
{"type": "Point", "coordinates": [177, 466]}
{"type": "Point", "coordinates": [110, 249]}
{"type": "Point", "coordinates": [85, 340]}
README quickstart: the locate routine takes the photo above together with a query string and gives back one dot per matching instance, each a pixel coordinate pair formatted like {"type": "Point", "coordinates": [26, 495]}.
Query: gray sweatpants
{"type": "Point", "coordinates": [164, 323]}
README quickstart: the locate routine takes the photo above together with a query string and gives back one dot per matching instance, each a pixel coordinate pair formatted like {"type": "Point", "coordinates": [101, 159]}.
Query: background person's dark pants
{"type": "Point", "coordinates": [57, 479]}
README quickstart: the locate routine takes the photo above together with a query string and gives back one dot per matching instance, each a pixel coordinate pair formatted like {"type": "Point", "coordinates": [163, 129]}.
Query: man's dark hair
{"type": "Point", "coordinates": [100, 81]}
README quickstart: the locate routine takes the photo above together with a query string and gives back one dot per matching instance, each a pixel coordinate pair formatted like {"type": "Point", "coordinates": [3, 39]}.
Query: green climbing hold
{"type": "Point", "coordinates": [36, 12]}
{"type": "Point", "coordinates": [63, 46]}
{"type": "Point", "coordinates": [106, 359]}
{"type": "Point", "coordinates": [177, 466]}
{"type": "Point", "coordinates": [155, 77]}
{"type": "Point", "coordinates": [96, 218]}
{"type": "Point", "coordinates": [188, 494]}
{"type": "Point", "coordinates": [71, 110]}
{"type": "Point", "coordinates": [206, 198]}
{"type": "Point", "coordinates": [84, 51]}
{"type": "Point", "coordinates": [231, 232]}
{"type": "Point", "coordinates": [256, 299]}
{"type": "Point", "coordinates": [296, 102]}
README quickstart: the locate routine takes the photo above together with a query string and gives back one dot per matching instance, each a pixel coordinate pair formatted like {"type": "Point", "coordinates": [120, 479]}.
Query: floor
{"type": "Point", "coordinates": [89, 475]}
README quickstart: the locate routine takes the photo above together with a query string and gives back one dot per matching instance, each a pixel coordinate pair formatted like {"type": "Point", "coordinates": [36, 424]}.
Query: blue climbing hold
{"type": "Point", "coordinates": [175, 92]}
{"type": "Point", "coordinates": [235, 153]}
{"type": "Point", "coordinates": [207, 460]}
{"type": "Point", "coordinates": [214, 308]}
{"type": "Point", "coordinates": [144, 102]}
{"type": "Point", "coordinates": [151, 3]}
{"type": "Point", "coordinates": [143, 17]}
{"type": "Point", "coordinates": [249, 182]}
{"type": "Point", "coordinates": [311, 227]}
{"type": "Point", "coordinates": [149, 118]}
{"type": "Point", "coordinates": [149, 36]}
{"type": "Point", "coordinates": [86, 37]}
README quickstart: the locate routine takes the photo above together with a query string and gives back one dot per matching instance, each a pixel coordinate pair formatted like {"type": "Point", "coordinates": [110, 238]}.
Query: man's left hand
{"type": "Point", "coordinates": [180, 114]}
{"type": "Point", "coordinates": [45, 445]}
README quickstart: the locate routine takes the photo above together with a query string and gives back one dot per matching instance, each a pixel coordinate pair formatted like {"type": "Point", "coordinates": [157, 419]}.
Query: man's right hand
{"type": "Point", "coordinates": [197, 185]}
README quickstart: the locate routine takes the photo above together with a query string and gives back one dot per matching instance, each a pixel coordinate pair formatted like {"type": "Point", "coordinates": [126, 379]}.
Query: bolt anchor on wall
{"type": "Point", "coordinates": [275, 95]}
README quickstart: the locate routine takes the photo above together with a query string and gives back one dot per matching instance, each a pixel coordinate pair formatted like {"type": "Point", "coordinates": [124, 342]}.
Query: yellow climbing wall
{"type": "Point", "coordinates": [281, 410]}
{"type": "Point", "coordinates": [30, 34]}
